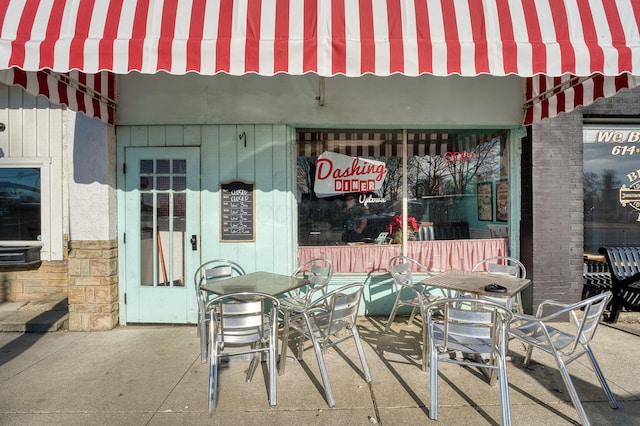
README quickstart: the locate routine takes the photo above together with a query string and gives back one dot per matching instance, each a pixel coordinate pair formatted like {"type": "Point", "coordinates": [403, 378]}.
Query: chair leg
{"type": "Point", "coordinates": [273, 360]}
{"type": "Point", "coordinates": [323, 372]}
{"type": "Point", "coordinates": [363, 360]}
{"type": "Point", "coordinates": [527, 356]}
{"type": "Point", "coordinates": [572, 390]}
{"type": "Point", "coordinates": [285, 343]}
{"type": "Point", "coordinates": [433, 383]}
{"type": "Point", "coordinates": [392, 316]}
{"type": "Point", "coordinates": [493, 373]}
{"type": "Point", "coordinates": [504, 391]}
{"type": "Point", "coordinates": [203, 344]}
{"type": "Point", "coordinates": [413, 315]}
{"type": "Point", "coordinates": [603, 381]}
{"type": "Point", "coordinates": [213, 381]}
{"type": "Point", "coordinates": [518, 301]}
{"type": "Point", "coordinates": [202, 332]}
{"type": "Point", "coordinates": [425, 346]}
{"type": "Point", "coordinates": [255, 360]}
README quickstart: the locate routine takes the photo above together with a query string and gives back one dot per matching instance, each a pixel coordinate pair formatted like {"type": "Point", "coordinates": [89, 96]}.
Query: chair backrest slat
{"type": "Point", "coordinates": [343, 305]}
{"type": "Point", "coordinates": [318, 271]}
{"type": "Point", "coordinates": [402, 269]}
{"type": "Point", "coordinates": [470, 322]}
{"type": "Point", "coordinates": [505, 269]}
{"type": "Point", "coordinates": [218, 273]}
{"type": "Point", "coordinates": [216, 270]}
{"type": "Point", "coordinates": [590, 320]}
{"type": "Point", "coordinates": [241, 317]}
{"type": "Point", "coordinates": [502, 264]}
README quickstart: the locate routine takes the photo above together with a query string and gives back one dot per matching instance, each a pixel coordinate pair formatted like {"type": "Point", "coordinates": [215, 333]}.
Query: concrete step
{"type": "Point", "coordinates": [49, 313]}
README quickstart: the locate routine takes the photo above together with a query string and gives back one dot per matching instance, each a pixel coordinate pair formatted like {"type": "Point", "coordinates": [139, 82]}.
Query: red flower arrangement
{"type": "Point", "coordinates": [396, 224]}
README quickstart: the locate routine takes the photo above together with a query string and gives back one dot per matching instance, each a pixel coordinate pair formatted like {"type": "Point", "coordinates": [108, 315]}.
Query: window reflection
{"type": "Point", "coordinates": [457, 181]}
{"type": "Point", "coordinates": [163, 209]}
{"type": "Point", "coordinates": [611, 186]}
{"type": "Point", "coordinates": [20, 204]}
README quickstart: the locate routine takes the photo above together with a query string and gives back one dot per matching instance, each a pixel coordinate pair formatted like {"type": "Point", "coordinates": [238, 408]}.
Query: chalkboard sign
{"type": "Point", "coordinates": [237, 216]}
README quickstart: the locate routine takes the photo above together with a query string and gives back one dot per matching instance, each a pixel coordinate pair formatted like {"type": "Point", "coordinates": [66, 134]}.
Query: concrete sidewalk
{"type": "Point", "coordinates": [153, 376]}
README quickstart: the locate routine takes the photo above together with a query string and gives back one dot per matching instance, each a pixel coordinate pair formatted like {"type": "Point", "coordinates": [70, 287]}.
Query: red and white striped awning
{"type": "Point", "coordinates": [547, 97]}
{"type": "Point", "coordinates": [92, 94]}
{"type": "Point", "coordinates": [530, 38]}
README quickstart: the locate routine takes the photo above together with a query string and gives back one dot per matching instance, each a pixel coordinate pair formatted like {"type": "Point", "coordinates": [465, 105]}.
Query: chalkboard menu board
{"type": "Point", "coordinates": [237, 216]}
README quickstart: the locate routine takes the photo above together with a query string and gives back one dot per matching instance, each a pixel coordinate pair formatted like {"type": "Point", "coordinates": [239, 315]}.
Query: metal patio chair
{"type": "Point", "coordinates": [410, 294]}
{"type": "Point", "coordinates": [240, 320]}
{"type": "Point", "coordinates": [566, 346]}
{"type": "Point", "coordinates": [400, 269]}
{"type": "Point", "coordinates": [471, 332]}
{"type": "Point", "coordinates": [319, 272]}
{"type": "Point", "coordinates": [208, 272]}
{"type": "Point", "coordinates": [504, 265]}
{"type": "Point", "coordinates": [323, 320]}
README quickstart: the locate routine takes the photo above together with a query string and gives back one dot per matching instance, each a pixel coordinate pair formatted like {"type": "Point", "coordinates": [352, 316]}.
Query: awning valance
{"type": "Point", "coordinates": [529, 38]}
{"type": "Point", "coordinates": [92, 94]}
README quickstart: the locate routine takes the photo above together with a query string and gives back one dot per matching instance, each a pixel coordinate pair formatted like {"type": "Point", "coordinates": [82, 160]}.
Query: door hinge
{"type": "Point", "coordinates": [125, 298]}
{"type": "Point", "coordinates": [124, 238]}
{"type": "Point", "coordinates": [124, 168]}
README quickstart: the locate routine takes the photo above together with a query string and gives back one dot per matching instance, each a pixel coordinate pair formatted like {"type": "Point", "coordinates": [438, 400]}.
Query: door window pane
{"type": "Point", "coordinates": [162, 217]}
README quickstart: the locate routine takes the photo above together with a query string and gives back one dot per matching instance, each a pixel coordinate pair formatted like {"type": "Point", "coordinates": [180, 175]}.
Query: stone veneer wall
{"type": "Point", "coordinates": [19, 283]}
{"type": "Point", "coordinates": [93, 285]}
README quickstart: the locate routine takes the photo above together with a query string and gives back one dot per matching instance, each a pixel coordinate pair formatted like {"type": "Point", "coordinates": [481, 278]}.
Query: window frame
{"type": "Point", "coordinates": [506, 136]}
{"type": "Point", "coordinates": [44, 164]}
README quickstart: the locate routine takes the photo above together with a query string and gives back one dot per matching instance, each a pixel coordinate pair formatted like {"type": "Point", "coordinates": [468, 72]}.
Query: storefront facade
{"type": "Point", "coordinates": [141, 203]}
{"type": "Point", "coordinates": [273, 158]}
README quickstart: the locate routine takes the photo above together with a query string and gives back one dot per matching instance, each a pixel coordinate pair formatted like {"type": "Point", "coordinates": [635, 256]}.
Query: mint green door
{"type": "Point", "coordinates": [162, 234]}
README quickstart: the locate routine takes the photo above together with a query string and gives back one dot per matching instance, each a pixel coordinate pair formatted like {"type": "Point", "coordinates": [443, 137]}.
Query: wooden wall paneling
{"type": "Point", "coordinates": [210, 199]}
{"type": "Point", "coordinates": [157, 136]}
{"type": "Point", "coordinates": [174, 136]}
{"type": "Point", "coordinates": [140, 136]}
{"type": "Point", "coordinates": [30, 126]}
{"type": "Point", "coordinates": [15, 123]}
{"type": "Point", "coordinates": [45, 140]}
{"type": "Point", "coordinates": [192, 135]}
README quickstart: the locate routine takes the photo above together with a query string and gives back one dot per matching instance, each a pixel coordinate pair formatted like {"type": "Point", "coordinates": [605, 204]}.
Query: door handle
{"type": "Point", "coordinates": [194, 242]}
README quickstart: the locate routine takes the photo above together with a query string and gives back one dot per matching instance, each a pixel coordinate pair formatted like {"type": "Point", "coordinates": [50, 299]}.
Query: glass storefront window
{"type": "Point", "coordinates": [457, 187]}
{"type": "Point", "coordinates": [611, 167]}
{"type": "Point", "coordinates": [20, 204]}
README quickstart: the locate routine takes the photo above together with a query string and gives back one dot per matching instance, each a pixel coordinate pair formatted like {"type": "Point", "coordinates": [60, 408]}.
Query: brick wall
{"type": "Point", "coordinates": [557, 198]}
{"type": "Point", "coordinates": [93, 285]}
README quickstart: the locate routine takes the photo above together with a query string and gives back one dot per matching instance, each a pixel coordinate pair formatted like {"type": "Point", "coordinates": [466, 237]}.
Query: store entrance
{"type": "Point", "coordinates": [162, 234]}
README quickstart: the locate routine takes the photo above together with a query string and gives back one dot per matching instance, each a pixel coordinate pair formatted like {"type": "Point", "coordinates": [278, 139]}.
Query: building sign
{"type": "Point", "coordinates": [339, 174]}
{"type": "Point", "coordinates": [611, 185]}
{"type": "Point", "coordinates": [630, 195]}
{"type": "Point", "coordinates": [622, 142]}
